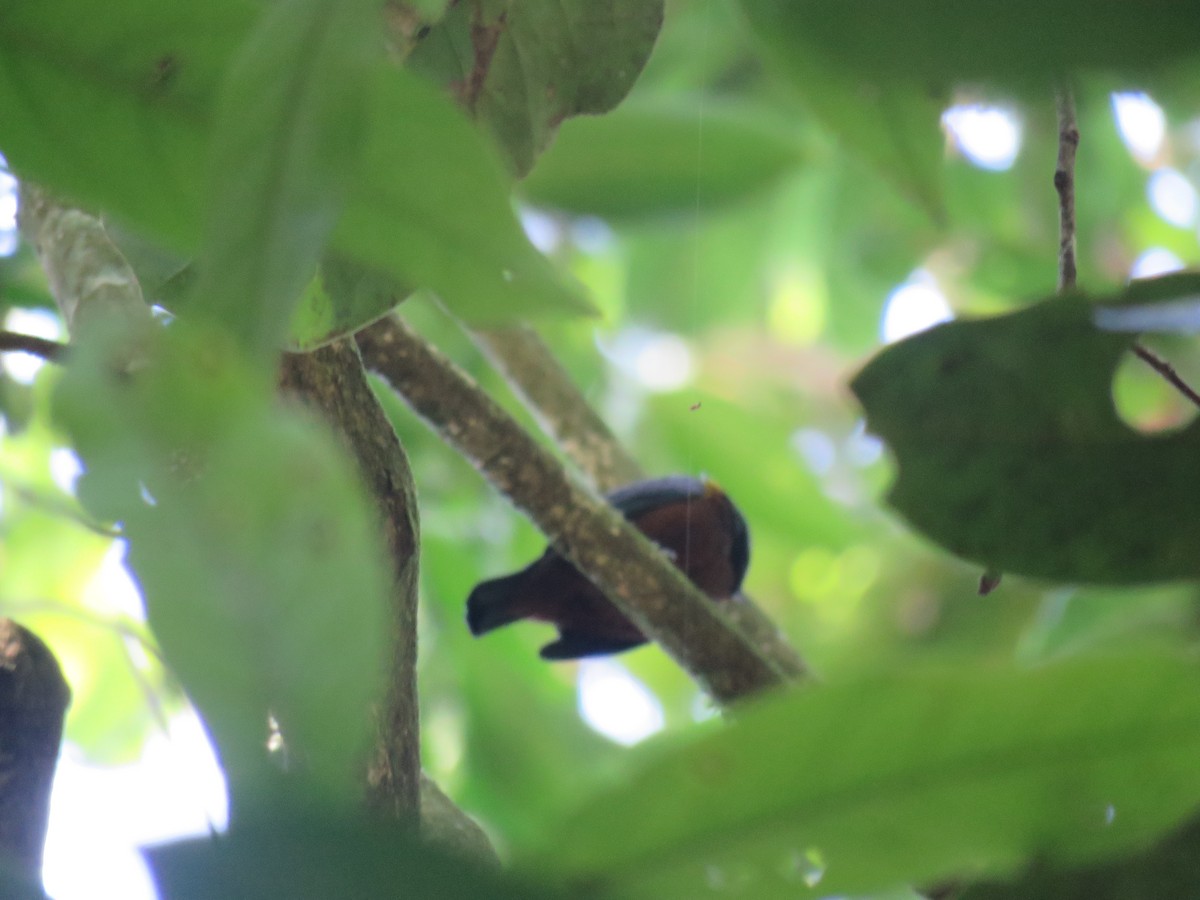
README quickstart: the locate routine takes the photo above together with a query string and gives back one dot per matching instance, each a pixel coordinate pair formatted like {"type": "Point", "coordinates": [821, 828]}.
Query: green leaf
{"type": "Point", "coordinates": [340, 300]}
{"type": "Point", "coordinates": [1169, 869]}
{"type": "Point", "coordinates": [124, 126]}
{"type": "Point", "coordinates": [431, 208]}
{"type": "Point", "coordinates": [893, 125]}
{"type": "Point", "coordinates": [112, 110]}
{"type": "Point", "coordinates": [258, 555]}
{"type": "Point", "coordinates": [523, 66]}
{"type": "Point", "coordinates": [286, 133]}
{"type": "Point", "coordinates": [316, 857]}
{"type": "Point", "coordinates": [899, 779]}
{"type": "Point", "coordinates": [1011, 454]}
{"type": "Point", "coordinates": [1015, 44]}
{"type": "Point", "coordinates": [663, 158]}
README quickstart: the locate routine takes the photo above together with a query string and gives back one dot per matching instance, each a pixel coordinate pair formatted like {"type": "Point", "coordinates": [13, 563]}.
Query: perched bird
{"type": "Point", "coordinates": [692, 520]}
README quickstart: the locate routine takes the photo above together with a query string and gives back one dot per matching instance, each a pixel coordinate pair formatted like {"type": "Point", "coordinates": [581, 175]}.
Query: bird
{"type": "Point", "coordinates": [691, 519]}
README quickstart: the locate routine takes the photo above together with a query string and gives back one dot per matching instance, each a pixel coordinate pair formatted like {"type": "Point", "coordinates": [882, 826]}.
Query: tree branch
{"type": "Point", "coordinates": [89, 278]}
{"type": "Point", "coordinates": [1167, 371]}
{"type": "Point", "coordinates": [332, 380]}
{"type": "Point", "coordinates": [1064, 183]}
{"type": "Point", "coordinates": [559, 407]}
{"type": "Point", "coordinates": [50, 351]}
{"type": "Point", "coordinates": [564, 414]}
{"type": "Point", "coordinates": [33, 702]}
{"type": "Point", "coordinates": [591, 534]}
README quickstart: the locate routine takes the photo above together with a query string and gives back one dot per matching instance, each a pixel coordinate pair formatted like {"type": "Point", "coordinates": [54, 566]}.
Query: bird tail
{"type": "Point", "coordinates": [493, 604]}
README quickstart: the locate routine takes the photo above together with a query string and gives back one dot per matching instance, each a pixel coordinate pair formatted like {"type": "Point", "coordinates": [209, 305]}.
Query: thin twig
{"type": "Point", "coordinates": [1064, 183]}
{"type": "Point", "coordinates": [13, 342]}
{"type": "Point", "coordinates": [1167, 371]}
{"type": "Point", "coordinates": [618, 558]}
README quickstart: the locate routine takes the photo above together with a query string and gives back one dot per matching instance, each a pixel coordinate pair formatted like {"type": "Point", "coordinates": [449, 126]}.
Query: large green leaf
{"type": "Point", "coordinates": [661, 158]}
{"type": "Point", "coordinates": [893, 124]}
{"type": "Point", "coordinates": [1019, 43]}
{"type": "Point", "coordinates": [287, 129]}
{"type": "Point", "coordinates": [904, 778]}
{"type": "Point", "coordinates": [120, 114]}
{"type": "Point", "coordinates": [1011, 454]}
{"type": "Point", "coordinates": [431, 208]}
{"type": "Point", "coordinates": [254, 588]}
{"type": "Point", "coordinates": [523, 66]}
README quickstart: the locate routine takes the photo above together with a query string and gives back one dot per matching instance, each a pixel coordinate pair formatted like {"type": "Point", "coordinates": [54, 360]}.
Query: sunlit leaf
{"type": "Point", "coordinates": [288, 124]}
{"type": "Point", "coordinates": [429, 205]}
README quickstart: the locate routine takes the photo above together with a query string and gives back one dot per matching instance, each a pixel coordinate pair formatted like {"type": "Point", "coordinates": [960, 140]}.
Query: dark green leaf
{"type": "Point", "coordinates": [1171, 868]}
{"type": "Point", "coordinates": [658, 158]}
{"type": "Point", "coordinates": [1011, 454]}
{"type": "Point", "coordinates": [318, 858]}
{"type": "Point", "coordinates": [892, 124]}
{"type": "Point", "coordinates": [287, 128]}
{"type": "Point", "coordinates": [1021, 43]}
{"type": "Point", "coordinates": [523, 66]}
{"type": "Point", "coordinates": [903, 779]}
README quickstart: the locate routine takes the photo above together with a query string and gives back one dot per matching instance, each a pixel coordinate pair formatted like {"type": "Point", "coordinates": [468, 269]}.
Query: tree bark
{"type": "Point", "coordinates": [332, 381]}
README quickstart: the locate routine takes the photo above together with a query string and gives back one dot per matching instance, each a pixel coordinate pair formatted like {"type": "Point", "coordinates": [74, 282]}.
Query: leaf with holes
{"type": "Point", "coordinates": [1011, 454]}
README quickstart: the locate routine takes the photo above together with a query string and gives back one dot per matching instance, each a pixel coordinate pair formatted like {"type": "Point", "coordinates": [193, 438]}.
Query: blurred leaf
{"type": "Point", "coordinates": [1011, 454]}
{"type": "Point", "coordinates": [900, 779]}
{"type": "Point", "coordinates": [111, 109]}
{"type": "Point", "coordinates": [891, 124]}
{"type": "Point", "coordinates": [316, 857]}
{"type": "Point", "coordinates": [429, 205]}
{"type": "Point", "coordinates": [1171, 868]}
{"type": "Point", "coordinates": [1019, 44]}
{"type": "Point", "coordinates": [343, 298]}
{"type": "Point", "coordinates": [654, 159]}
{"type": "Point", "coordinates": [253, 588]}
{"type": "Point", "coordinates": [432, 210]}
{"type": "Point", "coordinates": [523, 66]}
{"type": "Point", "coordinates": [1070, 621]}
{"type": "Point", "coordinates": [287, 128]}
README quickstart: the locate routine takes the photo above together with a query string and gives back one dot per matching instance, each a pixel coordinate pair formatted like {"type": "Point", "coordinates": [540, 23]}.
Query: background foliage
{"type": "Point", "coordinates": [740, 222]}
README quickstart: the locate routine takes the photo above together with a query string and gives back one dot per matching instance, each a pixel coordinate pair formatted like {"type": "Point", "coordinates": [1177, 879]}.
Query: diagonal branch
{"type": "Point", "coordinates": [586, 530]}
{"type": "Point", "coordinates": [559, 407]}
{"type": "Point", "coordinates": [564, 414]}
